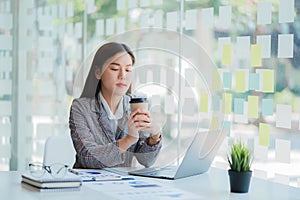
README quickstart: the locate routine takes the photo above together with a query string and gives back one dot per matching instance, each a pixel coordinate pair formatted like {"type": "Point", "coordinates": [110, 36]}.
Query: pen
{"type": "Point", "coordinates": [112, 179]}
{"type": "Point", "coordinates": [73, 171]}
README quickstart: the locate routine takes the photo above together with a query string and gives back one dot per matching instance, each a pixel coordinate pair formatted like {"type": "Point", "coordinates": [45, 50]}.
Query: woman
{"type": "Point", "coordinates": [104, 131]}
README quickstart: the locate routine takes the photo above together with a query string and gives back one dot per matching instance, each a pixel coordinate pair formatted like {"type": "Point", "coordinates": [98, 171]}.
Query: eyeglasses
{"type": "Point", "coordinates": [56, 170]}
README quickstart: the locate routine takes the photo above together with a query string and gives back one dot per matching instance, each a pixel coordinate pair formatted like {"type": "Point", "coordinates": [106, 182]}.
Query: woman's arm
{"type": "Point", "coordinates": [146, 153]}
{"type": "Point", "coordinates": [91, 154]}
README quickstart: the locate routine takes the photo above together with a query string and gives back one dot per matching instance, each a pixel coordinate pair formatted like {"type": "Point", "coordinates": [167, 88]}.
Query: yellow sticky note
{"type": "Point", "coordinates": [203, 102]}
{"type": "Point", "coordinates": [216, 80]}
{"type": "Point", "coordinates": [268, 81]}
{"type": "Point", "coordinates": [256, 55]}
{"type": "Point", "coordinates": [227, 54]}
{"type": "Point", "coordinates": [214, 123]}
{"type": "Point", "coordinates": [240, 81]}
{"type": "Point", "coordinates": [253, 106]}
{"type": "Point", "coordinates": [227, 103]}
{"type": "Point", "coordinates": [264, 134]}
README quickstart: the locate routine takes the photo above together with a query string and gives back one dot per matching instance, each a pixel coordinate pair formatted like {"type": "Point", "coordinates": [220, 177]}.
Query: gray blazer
{"type": "Point", "coordinates": [96, 144]}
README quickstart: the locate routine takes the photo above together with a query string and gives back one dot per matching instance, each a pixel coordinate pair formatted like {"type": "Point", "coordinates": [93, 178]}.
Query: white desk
{"type": "Point", "coordinates": [211, 185]}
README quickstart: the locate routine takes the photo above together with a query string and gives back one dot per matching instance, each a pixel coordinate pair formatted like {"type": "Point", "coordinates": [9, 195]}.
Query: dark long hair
{"type": "Point", "coordinates": [92, 85]}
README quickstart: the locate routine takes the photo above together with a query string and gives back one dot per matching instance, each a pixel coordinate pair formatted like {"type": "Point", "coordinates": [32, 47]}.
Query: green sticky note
{"type": "Point", "coordinates": [256, 55]}
{"type": "Point", "coordinates": [264, 134]}
{"type": "Point", "coordinates": [238, 106]}
{"type": "Point", "coordinates": [253, 81]}
{"type": "Point", "coordinates": [240, 81]}
{"type": "Point", "coordinates": [203, 102]}
{"type": "Point", "coordinates": [267, 107]}
{"type": "Point", "coordinates": [253, 106]}
{"type": "Point", "coordinates": [214, 123]}
{"type": "Point", "coordinates": [227, 54]}
{"type": "Point", "coordinates": [226, 103]}
{"type": "Point", "coordinates": [216, 80]}
{"type": "Point", "coordinates": [268, 81]}
{"type": "Point", "coordinates": [227, 79]}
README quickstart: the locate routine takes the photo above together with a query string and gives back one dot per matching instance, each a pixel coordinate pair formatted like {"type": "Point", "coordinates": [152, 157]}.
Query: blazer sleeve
{"type": "Point", "coordinates": [146, 154]}
{"type": "Point", "coordinates": [90, 154]}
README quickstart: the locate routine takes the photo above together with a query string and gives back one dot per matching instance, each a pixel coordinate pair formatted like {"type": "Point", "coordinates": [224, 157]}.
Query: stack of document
{"type": "Point", "coordinates": [47, 183]}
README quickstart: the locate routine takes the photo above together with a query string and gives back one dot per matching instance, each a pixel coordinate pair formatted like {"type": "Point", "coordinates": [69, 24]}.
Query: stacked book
{"type": "Point", "coordinates": [46, 183]}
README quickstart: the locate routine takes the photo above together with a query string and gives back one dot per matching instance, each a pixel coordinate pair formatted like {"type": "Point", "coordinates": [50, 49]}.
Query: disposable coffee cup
{"type": "Point", "coordinates": [139, 102]}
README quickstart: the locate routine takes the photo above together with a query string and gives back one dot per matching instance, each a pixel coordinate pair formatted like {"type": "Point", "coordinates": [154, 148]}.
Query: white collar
{"type": "Point", "coordinates": [119, 112]}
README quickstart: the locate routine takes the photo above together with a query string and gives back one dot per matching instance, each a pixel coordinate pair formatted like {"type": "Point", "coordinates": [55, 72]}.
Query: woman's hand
{"type": "Point", "coordinates": [138, 120]}
{"type": "Point", "coordinates": [153, 128]}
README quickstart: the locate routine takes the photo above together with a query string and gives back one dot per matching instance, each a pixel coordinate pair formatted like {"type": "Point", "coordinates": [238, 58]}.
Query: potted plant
{"type": "Point", "coordinates": [239, 160]}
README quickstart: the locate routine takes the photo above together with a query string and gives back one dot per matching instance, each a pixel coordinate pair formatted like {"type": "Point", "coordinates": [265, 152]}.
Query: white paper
{"type": "Point", "coordinates": [5, 108]}
{"type": "Point", "coordinates": [225, 13]}
{"type": "Point", "coordinates": [243, 47]}
{"type": "Point", "coordinates": [191, 19]}
{"type": "Point", "coordinates": [286, 11]}
{"type": "Point", "coordinates": [172, 18]}
{"type": "Point", "coordinates": [61, 11]}
{"type": "Point", "coordinates": [264, 13]}
{"type": "Point", "coordinates": [188, 106]}
{"type": "Point", "coordinates": [141, 189]}
{"type": "Point", "coordinates": [158, 19]}
{"type": "Point", "coordinates": [169, 104]}
{"type": "Point", "coordinates": [283, 116]}
{"type": "Point", "coordinates": [70, 10]}
{"type": "Point", "coordinates": [260, 152]}
{"type": "Point", "coordinates": [144, 3]}
{"type": "Point", "coordinates": [190, 77]}
{"type": "Point", "coordinates": [121, 4]}
{"type": "Point", "coordinates": [99, 27]}
{"type": "Point", "coordinates": [5, 20]}
{"type": "Point", "coordinates": [285, 45]}
{"type": "Point", "coordinates": [170, 77]}
{"type": "Point", "coordinates": [283, 150]}
{"type": "Point", "coordinates": [70, 29]}
{"type": "Point", "coordinates": [132, 4]}
{"type": "Point", "coordinates": [6, 42]}
{"type": "Point", "coordinates": [45, 65]}
{"type": "Point", "coordinates": [157, 2]}
{"type": "Point", "coordinates": [155, 100]}
{"type": "Point", "coordinates": [90, 6]}
{"type": "Point", "coordinates": [221, 42]}
{"type": "Point", "coordinates": [265, 42]}
{"type": "Point", "coordinates": [5, 131]}
{"type": "Point", "coordinates": [5, 87]}
{"type": "Point", "coordinates": [54, 11]}
{"type": "Point", "coordinates": [5, 150]}
{"type": "Point", "coordinates": [78, 29]}
{"type": "Point", "coordinates": [144, 21]}
{"type": "Point", "coordinates": [44, 108]}
{"type": "Point", "coordinates": [120, 25]}
{"type": "Point", "coordinates": [110, 26]}
{"type": "Point", "coordinates": [207, 17]}
{"type": "Point", "coordinates": [45, 43]}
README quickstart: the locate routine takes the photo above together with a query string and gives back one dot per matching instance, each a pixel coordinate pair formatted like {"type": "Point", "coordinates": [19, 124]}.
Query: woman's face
{"type": "Point", "coordinates": [117, 75]}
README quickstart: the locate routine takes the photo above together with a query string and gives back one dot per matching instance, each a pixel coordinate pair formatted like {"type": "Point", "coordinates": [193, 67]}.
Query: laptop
{"type": "Point", "coordinates": [196, 160]}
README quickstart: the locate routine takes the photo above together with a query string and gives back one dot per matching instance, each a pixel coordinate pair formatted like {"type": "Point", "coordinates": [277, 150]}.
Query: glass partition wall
{"type": "Point", "coordinates": [203, 64]}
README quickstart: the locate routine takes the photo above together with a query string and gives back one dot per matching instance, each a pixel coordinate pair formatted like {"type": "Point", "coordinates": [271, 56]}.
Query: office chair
{"type": "Point", "coordinates": [59, 149]}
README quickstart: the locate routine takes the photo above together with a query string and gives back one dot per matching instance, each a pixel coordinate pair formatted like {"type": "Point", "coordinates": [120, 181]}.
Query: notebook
{"type": "Point", "coordinates": [55, 189]}
{"type": "Point", "coordinates": [70, 180]}
{"type": "Point", "coordinates": [197, 159]}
